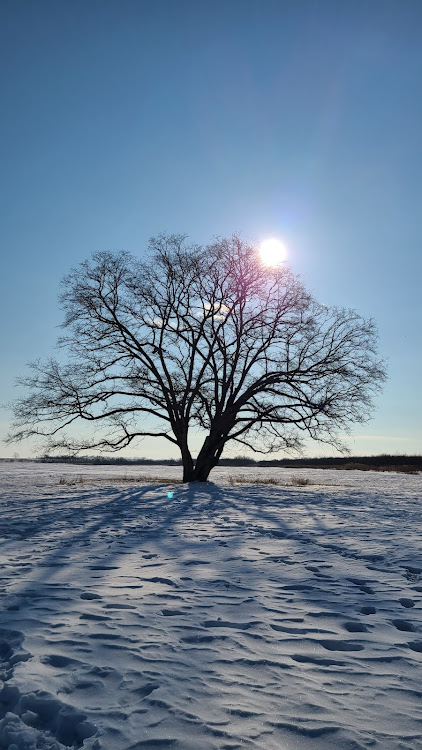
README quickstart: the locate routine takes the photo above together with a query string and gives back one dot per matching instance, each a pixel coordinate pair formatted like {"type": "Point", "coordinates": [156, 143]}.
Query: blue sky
{"type": "Point", "coordinates": [302, 119]}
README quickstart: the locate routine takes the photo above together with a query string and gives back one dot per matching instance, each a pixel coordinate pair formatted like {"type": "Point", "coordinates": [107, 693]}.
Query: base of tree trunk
{"type": "Point", "coordinates": [198, 474]}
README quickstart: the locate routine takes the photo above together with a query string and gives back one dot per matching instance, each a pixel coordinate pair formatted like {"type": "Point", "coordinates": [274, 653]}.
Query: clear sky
{"type": "Point", "coordinates": [299, 119]}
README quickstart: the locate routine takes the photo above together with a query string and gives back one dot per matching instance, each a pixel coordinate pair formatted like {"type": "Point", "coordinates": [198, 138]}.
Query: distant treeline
{"type": "Point", "coordinates": [384, 462]}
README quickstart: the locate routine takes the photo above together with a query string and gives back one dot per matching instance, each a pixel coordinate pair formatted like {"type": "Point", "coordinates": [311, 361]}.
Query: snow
{"type": "Point", "coordinates": [230, 616]}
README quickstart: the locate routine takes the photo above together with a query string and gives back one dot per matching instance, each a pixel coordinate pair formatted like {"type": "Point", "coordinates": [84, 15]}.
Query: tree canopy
{"type": "Point", "coordinates": [199, 338]}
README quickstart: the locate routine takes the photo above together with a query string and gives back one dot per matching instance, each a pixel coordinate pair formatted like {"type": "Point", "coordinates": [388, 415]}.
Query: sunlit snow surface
{"type": "Point", "coordinates": [250, 617]}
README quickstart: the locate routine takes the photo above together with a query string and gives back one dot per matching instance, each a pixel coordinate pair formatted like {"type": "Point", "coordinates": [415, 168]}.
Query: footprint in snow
{"type": "Point", "coordinates": [318, 660]}
{"type": "Point", "coordinates": [198, 639]}
{"type": "Point", "coordinates": [362, 585]}
{"type": "Point", "coordinates": [355, 627]}
{"type": "Point", "coordinates": [88, 595]}
{"type": "Point", "coordinates": [10, 642]}
{"type": "Point", "coordinates": [412, 573]}
{"type": "Point", "coordinates": [416, 646]}
{"type": "Point", "coordinates": [58, 661]}
{"type": "Point", "coordinates": [85, 685]}
{"type": "Point", "coordinates": [197, 562]}
{"type": "Point", "coordinates": [227, 624]}
{"type": "Point", "coordinates": [45, 713]}
{"type": "Point", "coordinates": [368, 610]}
{"type": "Point", "coordinates": [403, 625]}
{"type": "Point", "coordinates": [332, 645]}
{"type": "Point", "coordinates": [407, 603]}
{"type": "Point", "coordinates": [89, 616]}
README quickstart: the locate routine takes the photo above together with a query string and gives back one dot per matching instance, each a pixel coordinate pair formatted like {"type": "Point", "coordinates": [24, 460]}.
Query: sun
{"type": "Point", "coordinates": [272, 252]}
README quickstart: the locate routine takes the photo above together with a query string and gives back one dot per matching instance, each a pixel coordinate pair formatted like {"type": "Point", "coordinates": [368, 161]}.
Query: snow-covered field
{"type": "Point", "coordinates": [228, 617]}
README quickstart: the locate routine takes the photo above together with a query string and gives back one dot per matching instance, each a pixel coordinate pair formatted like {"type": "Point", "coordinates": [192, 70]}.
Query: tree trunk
{"type": "Point", "coordinates": [208, 457]}
{"type": "Point", "coordinates": [188, 471]}
{"type": "Point", "coordinates": [202, 470]}
{"type": "Point", "coordinates": [187, 460]}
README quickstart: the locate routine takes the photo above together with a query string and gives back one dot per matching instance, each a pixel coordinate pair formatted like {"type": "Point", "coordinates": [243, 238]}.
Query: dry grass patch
{"type": "Point", "coordinates": [288, 482]}
{"type": "Point", "coordinates": [301, 481]}
{"type": "Point", "coordinates": [71, 481]}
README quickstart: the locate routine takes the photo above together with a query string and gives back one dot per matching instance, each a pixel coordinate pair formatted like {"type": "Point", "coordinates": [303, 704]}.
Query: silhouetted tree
{"type": "Point", "coordinates": [199, 338]}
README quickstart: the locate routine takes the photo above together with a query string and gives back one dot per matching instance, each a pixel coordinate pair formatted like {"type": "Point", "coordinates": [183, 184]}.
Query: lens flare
{"type": "Point", "coordinates": [272, 252]}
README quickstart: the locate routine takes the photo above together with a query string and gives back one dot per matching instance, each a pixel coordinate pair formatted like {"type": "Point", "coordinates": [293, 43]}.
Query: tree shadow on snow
{"type": "Point", "coordinates": [224, 581]}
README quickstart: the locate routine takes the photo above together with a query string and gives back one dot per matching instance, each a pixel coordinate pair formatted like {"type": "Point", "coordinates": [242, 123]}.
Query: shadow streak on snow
{"type": "Point", "coordinates": [218, 567]}
{"type": "Point", "coordinates": [143, 519]}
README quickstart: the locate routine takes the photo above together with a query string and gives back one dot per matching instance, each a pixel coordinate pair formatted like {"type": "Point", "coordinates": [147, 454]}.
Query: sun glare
{"type": "Point", "coordinates": [272, 252]}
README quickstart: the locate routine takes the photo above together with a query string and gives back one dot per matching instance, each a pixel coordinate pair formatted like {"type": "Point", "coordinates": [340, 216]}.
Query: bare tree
{"type": "Point", "coordinates": [204, 339]}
